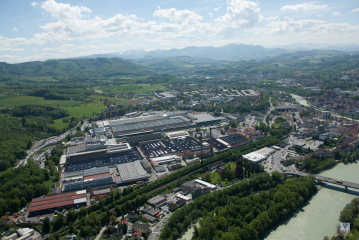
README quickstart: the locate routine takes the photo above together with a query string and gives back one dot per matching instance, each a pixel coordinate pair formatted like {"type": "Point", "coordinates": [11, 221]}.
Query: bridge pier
{"type": "Point", "coordinates": [346, 189]}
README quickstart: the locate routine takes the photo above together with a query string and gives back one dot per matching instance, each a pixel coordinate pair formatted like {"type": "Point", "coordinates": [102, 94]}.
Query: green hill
{"type": "Point", "coordinates": [73, 68]}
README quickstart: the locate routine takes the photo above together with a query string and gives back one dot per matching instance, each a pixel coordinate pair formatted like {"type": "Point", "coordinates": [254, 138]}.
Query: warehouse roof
{"type": "Point", "coordinates": [204, 117]}
{"type": "Point", "coordinates": [97, 182]}
{"type": "Point", "coordinates": [131, 171]}
{"type": "Point", "coordinates": [54, 201]}
{"type": "Point", "coordinates": [149, 124]}
{"type": "Point", "coordinates": [133, 120]}
{"type": "Point", "coordinates": [233, 139]}
{"type": "Point", "coordinates": [96, 170]}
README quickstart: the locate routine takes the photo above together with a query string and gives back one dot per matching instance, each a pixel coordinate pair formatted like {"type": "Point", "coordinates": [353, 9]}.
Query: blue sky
{"type": "Point", "coordinates": [58, 29]}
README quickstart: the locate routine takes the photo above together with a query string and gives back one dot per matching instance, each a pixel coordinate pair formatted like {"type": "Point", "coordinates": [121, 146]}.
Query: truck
{"type": "Point", "coordinates": [338, 181]}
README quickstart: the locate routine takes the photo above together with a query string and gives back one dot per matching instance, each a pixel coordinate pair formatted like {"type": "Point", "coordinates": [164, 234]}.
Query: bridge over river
{"type": "Point", "coordinates": [327, 180]}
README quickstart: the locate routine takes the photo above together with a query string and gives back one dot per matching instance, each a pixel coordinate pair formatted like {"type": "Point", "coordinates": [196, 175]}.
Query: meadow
{"type": "Point", "coordinates": [134, 88]}
{"type": "Point", "coordinates": [76, 109]}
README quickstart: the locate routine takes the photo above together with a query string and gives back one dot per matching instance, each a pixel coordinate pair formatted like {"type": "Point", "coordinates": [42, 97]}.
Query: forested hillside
{"type": "Point", "coordinates": [73, 68]}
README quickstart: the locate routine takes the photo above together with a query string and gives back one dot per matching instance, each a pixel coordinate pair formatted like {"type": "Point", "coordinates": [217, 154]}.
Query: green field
{"type": "Point", "coordinates": [11, 101]}
{"type": "Point", "coordinates": [134, 88]}
{"type": "Point", "coordinates": [87, 112]}
{"type": "Point", "coordinates": [277, 125]}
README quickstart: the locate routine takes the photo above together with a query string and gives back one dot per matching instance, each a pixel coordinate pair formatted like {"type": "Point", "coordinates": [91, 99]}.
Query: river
{"type": "Point", "coordinates": [320, 216]}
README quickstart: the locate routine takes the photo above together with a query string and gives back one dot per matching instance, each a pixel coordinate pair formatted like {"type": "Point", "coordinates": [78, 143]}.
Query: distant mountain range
{"type": "Point", "coordinates": [231, 52]}
{"type": "Point", "coordinates": [321, 46]}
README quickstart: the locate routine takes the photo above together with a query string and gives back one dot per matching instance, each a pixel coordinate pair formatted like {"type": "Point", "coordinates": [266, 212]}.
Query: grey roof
{"type": "Point", "coordinates": [131, 171]}
{"type": "Point", "coordinates": [96, 170]}
{"type": "Point", "coordinates": [97, 182]}
{"type": "Point", "coordinates": [145, 163]}
{"type": "Point", "coordinates": [102, 191]}
{"type": "Point", "coordinates": [202, 118]}
{"type": "Point", "coordinates": [149, 124]}
{"type": "Point", "coordinates": [150, 218]}
{"type": "Point", "coordinates": [133, 120]}
{"type": "Point", "coordinates": [156, 199]}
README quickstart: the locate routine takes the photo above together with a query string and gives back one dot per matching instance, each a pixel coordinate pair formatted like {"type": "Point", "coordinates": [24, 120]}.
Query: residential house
{"type": "Point", "coordinates": [141, 227]}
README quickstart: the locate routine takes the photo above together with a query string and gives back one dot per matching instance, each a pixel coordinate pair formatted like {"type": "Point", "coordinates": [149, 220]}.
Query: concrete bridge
{"type": "Point", "coordinates": [327, 180]}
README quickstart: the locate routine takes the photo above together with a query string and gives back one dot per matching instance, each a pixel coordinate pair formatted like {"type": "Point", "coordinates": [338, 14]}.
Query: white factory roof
{"type": "Point", "coordinates": [80, 200]}
{"type": "Point", "coordinates": [205, 184]}
{"type": "Point", "coordinates": [254, 157]}
{"type": "Point", "coordinates": [132, 171]}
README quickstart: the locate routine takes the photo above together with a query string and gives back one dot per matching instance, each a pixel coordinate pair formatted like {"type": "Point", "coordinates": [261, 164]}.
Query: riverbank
{"type": "Point", "coordinates": [320, 216]}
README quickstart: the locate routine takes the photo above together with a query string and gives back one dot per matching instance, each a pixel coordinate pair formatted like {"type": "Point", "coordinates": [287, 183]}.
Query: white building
{"type": "Point", "coordinates": [180, 103]}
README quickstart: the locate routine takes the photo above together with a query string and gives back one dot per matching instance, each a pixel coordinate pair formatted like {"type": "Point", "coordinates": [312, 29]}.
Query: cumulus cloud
{"type": "Point", "coordinates": [355, 10]}
{"type": "Point", "coordinates": [179, 17]}
{"type": "Point", "coordinates": [335, 14]}
{"type": "Point", "coordinates": [11, 49]}
{"type": "Point", "coordinates": [15, 30]}
{"type": "Point", "coordinates": [217, 9]}
{"type": "Point", "coordinates": [240, 14]}
{"type": "Point", "coordinates": [210, 14]}
{"type": "Point", "coordinates": [288, 25]}
{"type": "Point", "coordinates": [303, 7]}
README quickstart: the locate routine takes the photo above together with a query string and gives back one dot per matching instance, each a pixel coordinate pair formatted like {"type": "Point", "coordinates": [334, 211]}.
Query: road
{"type": "Point", "coordinates": [157, 229]}
{"type": "Point", "coordinates": [47, 141]}
{"type": "Point", "coordinates": [101, 232]}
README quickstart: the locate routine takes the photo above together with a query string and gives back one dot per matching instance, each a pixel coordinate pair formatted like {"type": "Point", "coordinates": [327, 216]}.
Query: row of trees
{"type": "Point", "coordinates": [237, 213]}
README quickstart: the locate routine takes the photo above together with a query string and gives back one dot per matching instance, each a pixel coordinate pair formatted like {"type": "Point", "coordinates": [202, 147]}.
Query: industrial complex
{"type": "Point", "coordinates": [130, 150]}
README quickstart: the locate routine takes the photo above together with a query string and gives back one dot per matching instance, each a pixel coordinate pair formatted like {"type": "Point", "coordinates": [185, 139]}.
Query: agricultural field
{"type": "Point", "coordinates": [76, 109]}
{"type": "Point", "coordinates": [11, 101]}
{"type": "Point", "coordinates": [133, 88]}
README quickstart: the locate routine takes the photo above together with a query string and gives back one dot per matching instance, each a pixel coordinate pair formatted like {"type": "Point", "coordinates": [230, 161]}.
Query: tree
{"type": "Point", "coordinates": [144, 220]}
{"type": "Point", "coordinates": [46, 225]}
{"type": "Point", "coordinates": [83, 211]}
{"type": "Point", "coordinates": [14, 205]}
{"type": "Point", "coordinates": [206, 176]}
{"type": "Point", "coordinates": [113, 219]}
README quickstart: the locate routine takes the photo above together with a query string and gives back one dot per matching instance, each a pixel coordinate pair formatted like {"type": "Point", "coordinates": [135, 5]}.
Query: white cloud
{"type": "Point", "coordinates": [355, 10]}
{"type": "Point", "coordinates": [303, 7]}
{"type": "Point", "coordinates": [287, 25]}
{"type": "Point", "coordinates": [15, 30]}
{"type": "Point", "coordinates": [217, 9]}
{"type": "Point", "coordinates": [68, 47]}
{"type": "Point", "coordinates": [179, 17]}
{"type": "Point", "coordinates": [210, 14]}
{"type": "Point", "coordinates": [240, 14]}
{"type": "Point", "coordinates": [335, 14]}
{"type": "Point", "coordinates": [11, 49]}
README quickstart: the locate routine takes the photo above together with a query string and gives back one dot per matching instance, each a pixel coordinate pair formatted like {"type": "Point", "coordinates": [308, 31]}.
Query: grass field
{"type": "Point", "coordinates": [5, 172]}
{"type": "Point", "coordinates": [87, 112]}
{"type": "Point", "coordinates": [76, 109]}
{"type": "Point", "coordinates": [11, 101]}
{"type": "Point", "coordinates": [277, 125]}
{"type": "Point", "coordinates": [135, 88]}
